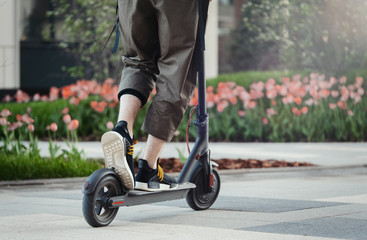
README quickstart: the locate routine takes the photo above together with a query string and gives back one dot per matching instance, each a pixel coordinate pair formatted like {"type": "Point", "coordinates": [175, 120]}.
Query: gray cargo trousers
{"type": "Point", "coordinates": [159, 38]}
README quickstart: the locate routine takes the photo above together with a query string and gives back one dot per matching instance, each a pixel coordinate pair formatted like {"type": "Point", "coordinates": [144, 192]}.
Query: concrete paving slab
{"type": "Point", "coordinates": [60, 227]}
{"type": "Point", "coordinates": [361, 199]}
{"type": "Point", "coordinates": [342, 228]}
{"type": "Point", "coordinates": [265, 205]}
{"type": "Point", "coordinates": [259, 205]}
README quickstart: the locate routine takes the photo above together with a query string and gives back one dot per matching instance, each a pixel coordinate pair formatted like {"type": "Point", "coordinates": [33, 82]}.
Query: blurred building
{"type": "Point", "coordinates": [30, 62]}
{"type": "Point", "coordinates": [229, 16]}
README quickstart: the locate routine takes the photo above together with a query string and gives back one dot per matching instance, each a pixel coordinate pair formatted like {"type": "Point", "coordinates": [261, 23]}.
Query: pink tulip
{"type": "Point", "coordinates": [342, 105]}
{"type": "Point", "coordinates": [73, 125]}
{"type": "Point", "coordinates": [270, 84]}
{"type": "Point", "coordinates": [222, 105]}
{"type": "Point", "coordinates": [282, 89]}
{"type": "Point", "coordinates": [53, 127]}
{"type": "Point", "coordinates": [109, 125]}
{"type": "Point", "coordinates": [233, 100]}
{"type": "Point", "coordinates": [360, 91]}
{"type": "Point", "coordinates": [19, 117]}
{"type": "Point", "coordinates": [27, 119]}
{"type": "Point", "coordinates": [65, 110]}
{"type": "Point", "coordinates": [304, 110]}
{"type": "Point", "coordinates": [251, 104]}
{"type": "Point", "coordinates": [241, 113]}
{"type": "Point", "coordinates": [334, 93]}
{"type": "Point", "coordinates": [324, 93]}
{"type": "Point", "coordinates": [298, 100]}
{"type": "Point", "coordinates": [74, 100]}
{"type": "Point", "coordinates": [265, 121]}
{"type": "Point", "coordinates": [3, 121]}
{"type": "Point", "coordinates": [54, 93]}
{"type": "Point", "coordinates": [332, 81]}
{"type": "Point", "coordinates": [357, 99]}
{"type": "Point", "coordinates": [12, 127]}
{"type": "Point", "coordinates": [271, 111]}
{"type": "Point", "coordinates": [343, 80]}
{"type": "Point", "coordinates": [359, 81]}
{"type": "Point", "coordinates": [21, 96]}
{"type": "Point", "coordinates": [82, 95]}
{"type": "Point", "coordinates": [66, 118]}
{"type": "Point", "coordinates": [31, 127]}
{"type": "Point", "coordinates": [36, 97]}
{"type": "Point", "coordinates": [296, 111]}
{"type": "Point", "coordinates": [310, 101]}
{"type": "Point", "coordinates": [5, 113]}
{"type": "Point", "coordinates": [271, 93]}
{"type": "Point", "coordinates": [7, 98]}
{"type": "Point", "coordinates": [44, 98]}
{"type": "Point", "coordinates": [332, 105]}
{"type": "Point", "coordinates": [209, 89]}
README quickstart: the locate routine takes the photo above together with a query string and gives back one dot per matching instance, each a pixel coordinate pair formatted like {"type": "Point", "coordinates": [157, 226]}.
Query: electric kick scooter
{"type": "Point", "coordinates": [198, 182]}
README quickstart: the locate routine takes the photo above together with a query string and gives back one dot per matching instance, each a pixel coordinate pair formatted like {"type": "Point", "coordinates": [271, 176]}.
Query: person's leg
{"type": "Point", "coordinates": [129, 109]}
{"type": "Point", "coordinates": [153, 150]}
{"type": "Point", "coordinates": [176, 82]}
{"type": "Point", "coordinates": [177, 22]}
{"type": "Point", "coordinates": [137, 27]}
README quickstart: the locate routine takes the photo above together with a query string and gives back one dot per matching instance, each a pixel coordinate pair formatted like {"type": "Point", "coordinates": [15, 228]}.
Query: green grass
{"type": "Point", "coordinates": [246, 78]}
{"type": "Point", "coordinates": [16, 167]}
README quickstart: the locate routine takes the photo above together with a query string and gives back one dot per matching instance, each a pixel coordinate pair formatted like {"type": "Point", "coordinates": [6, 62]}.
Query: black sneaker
{"type": "Point", "coordinates": [149, 179]}
{"type": "Point", "coordinates": [118, 149]}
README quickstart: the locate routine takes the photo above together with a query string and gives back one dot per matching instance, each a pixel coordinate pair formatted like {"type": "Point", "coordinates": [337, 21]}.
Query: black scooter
{"type": "Point", "coordinates": [199, 181]}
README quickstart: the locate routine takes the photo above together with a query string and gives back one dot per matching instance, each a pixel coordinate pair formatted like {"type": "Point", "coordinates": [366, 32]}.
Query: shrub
{"type": "Point", "coordinates": [323, 35]}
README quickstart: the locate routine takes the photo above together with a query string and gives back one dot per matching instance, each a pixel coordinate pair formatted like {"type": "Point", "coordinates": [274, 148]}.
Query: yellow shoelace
{"type": "Point", "coordinates": [130, 151]}
{"type": "Point", "coordinates": [160, 173]}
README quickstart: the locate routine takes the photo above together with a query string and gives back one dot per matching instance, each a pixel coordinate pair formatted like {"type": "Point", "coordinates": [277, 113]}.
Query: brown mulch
{"type": "Point", "coordinates": [175, 165]}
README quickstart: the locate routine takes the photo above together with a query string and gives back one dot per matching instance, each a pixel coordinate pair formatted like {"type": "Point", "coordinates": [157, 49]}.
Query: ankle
{"type": "Point", "coordinates": [152, 165]}
{"type": "Point", "coordinates": [124, 129]}
{"type": "Point", "coordinates": [149, 164]}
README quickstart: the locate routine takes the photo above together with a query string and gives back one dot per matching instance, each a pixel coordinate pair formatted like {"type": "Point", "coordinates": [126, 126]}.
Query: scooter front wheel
{"type": "Point", "coordinates": [197, 199]}
{"type": "Point", "coordinates": [96, 211]}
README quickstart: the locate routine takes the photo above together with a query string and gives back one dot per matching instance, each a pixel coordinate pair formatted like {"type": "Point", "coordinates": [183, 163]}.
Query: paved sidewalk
{"type": "Point", "coordinates": [305, 203]}
{"type": "Point", "coordinates": [308, 203]}
{"type": "Point", "coordinates": [322, 154]}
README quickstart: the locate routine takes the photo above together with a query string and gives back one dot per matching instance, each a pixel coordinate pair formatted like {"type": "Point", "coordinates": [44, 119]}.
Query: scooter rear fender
{"type": "Point", "coordinates": [93, 180]}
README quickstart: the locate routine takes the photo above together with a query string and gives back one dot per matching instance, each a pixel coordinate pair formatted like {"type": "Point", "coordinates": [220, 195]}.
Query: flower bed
{"type": "Point", "coordinates": [310, 108]}
{"type": "Point", "coordinates": [175, 165]}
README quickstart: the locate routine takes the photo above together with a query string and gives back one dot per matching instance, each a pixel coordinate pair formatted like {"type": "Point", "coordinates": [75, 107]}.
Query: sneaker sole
{"type": "Point", "coordinates": [115, 156]}
{"type": "Point", "coordinates": [162, 187]}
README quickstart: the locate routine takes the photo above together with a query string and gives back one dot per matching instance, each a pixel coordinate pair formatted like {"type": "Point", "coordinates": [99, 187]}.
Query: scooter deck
{"type": "Point", "coordinates": [136, 197]}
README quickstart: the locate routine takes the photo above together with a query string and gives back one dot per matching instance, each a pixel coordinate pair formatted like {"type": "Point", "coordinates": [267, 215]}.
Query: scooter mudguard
{"type": "Point", "coordinates": [92, 181]}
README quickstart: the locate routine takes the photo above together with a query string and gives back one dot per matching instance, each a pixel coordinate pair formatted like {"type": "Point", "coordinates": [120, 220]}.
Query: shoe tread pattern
{"type": "Point", "coordinates": [115, 156]}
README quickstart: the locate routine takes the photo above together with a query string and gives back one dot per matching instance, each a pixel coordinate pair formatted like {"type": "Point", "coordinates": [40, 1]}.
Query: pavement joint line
{"type": "Point", "coordinates": [221, 172]}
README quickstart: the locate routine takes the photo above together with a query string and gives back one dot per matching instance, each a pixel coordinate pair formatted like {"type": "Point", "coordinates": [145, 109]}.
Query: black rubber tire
{"type": "Point", "coordinates": [195, 198]}
{"type": "Point", "coordinates": [95, 209]}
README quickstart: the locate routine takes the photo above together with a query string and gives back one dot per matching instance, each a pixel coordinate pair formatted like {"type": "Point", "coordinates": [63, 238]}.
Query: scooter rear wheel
{"type": "Point", "coordinates": [96, 211]}
{"type": "Point", "coordinates": [197, 199]}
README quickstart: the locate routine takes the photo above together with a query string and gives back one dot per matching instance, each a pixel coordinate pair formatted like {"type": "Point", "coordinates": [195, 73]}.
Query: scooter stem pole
{"type": "Point", "coordinates": [201, 87]}
{"type": "Point", "coordinates": [201, 122]}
